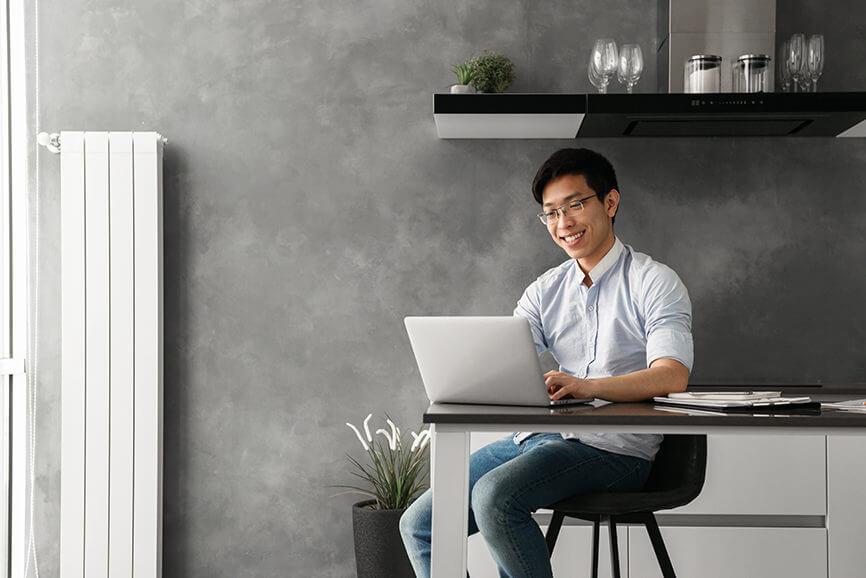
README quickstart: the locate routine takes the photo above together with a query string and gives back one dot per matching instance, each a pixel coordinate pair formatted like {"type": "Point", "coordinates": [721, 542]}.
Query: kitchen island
{"type": "Point", "coordinates": [789, 484]}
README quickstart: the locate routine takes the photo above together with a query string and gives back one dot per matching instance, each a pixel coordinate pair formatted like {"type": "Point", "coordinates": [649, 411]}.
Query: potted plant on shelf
{"type": "Point", "coordinates": [491, 72]}
{"type": "Point", "coordinates": [393, 477]}
{"type": "Point", "coordinates": [464, 77]}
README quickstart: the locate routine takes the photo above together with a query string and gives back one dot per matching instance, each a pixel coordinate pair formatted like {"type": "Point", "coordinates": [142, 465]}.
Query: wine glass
{"type": "Point", "coordinates": [784, 73]}
{"type": "Point", "coordinates": [796, 54]}
{"type": "Point", "coordinates": [605, 59]}
{"type": "Point", "coordinates": [630, 65]}
{"type": "Point", "coordinates": [594, 78]}
{"type": "Point", "coordinates": [815, 59]}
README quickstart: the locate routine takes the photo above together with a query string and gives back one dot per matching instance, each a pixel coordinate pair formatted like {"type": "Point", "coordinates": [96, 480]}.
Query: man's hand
{"type": "Point", "coordinates": [563, 385]}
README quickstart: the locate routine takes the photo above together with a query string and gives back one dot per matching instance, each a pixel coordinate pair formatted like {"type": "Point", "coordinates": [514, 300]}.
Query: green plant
{"type": "Point", "coordinates": [464, 73]}
{"type": "Point", "coordinates": [491, 72]}
{"type": "Point", "coordinates": [395, 475]}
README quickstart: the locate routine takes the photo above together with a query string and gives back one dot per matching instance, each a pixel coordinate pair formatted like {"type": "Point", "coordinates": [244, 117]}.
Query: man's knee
{"type": "Point", "coordinates": [406, 523]}
{"type": "Point", "coordinates": [492, 501]}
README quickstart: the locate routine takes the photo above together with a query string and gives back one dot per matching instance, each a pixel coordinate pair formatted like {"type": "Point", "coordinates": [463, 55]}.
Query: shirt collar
{"type": "Point", "coordinates": [605, 264]}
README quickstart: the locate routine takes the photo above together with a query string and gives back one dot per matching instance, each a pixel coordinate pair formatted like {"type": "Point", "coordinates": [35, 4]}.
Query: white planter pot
{"type": "Point", "coordinates": [462, 89]}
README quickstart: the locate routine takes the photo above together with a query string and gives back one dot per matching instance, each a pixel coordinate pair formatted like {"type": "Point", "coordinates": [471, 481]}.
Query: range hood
{"type": "Point", "coordinates": [828, 114]}
{"type": "Point", "coordinates": [685, 27]}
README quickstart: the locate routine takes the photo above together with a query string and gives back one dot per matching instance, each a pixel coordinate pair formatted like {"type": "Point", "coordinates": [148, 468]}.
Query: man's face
{"type": "Point", "coordinates": [585, 233]}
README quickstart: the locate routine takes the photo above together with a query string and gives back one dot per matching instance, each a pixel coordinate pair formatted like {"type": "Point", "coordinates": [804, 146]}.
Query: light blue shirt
{"type": "Point", "coordinates": [636, 311]}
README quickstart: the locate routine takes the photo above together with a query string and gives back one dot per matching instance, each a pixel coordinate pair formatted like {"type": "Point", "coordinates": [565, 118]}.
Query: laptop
{"type": "Point", "coordinates": [480, 360]}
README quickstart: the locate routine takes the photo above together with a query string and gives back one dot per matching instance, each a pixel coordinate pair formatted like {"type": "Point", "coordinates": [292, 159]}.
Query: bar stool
{"type": "Point", "coordinates": [676, 479]}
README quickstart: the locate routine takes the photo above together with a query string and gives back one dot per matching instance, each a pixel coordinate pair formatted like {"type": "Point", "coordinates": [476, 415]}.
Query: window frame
{"type": "Point", "coordinates": [15, 311]}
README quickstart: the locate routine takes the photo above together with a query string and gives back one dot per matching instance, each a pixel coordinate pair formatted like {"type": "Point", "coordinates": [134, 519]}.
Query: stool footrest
{"type": "Point", "coordinates": [648, 519]}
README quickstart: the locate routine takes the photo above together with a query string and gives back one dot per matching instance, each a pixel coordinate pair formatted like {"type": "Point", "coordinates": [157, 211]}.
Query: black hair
{"type": "Point", "coordinates": [596, 169]}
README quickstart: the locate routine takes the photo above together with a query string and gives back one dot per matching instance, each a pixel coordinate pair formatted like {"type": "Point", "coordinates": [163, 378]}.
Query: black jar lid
{"type": "Point", "coordinates": [755, 58]}
{"type": "Point", "coordinates": [706, 58]}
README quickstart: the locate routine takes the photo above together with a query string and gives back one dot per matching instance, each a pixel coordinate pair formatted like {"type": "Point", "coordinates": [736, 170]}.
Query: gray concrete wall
{"type": "Point", "coordinates": [309, 206]}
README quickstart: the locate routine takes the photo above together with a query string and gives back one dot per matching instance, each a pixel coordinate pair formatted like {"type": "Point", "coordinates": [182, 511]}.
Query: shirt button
{"type": "Point", "coordinates": [591, 308]}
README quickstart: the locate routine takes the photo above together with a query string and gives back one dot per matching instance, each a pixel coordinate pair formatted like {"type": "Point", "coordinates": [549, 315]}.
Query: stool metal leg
{"type": "Point", "coordinates": [655, 537]}
{"type": "Point", "coordinates": [614, 548]}
{"type": "Point", "coordinates": [595, 529]}
{"type": "Point", "coordinates": [553, 530]}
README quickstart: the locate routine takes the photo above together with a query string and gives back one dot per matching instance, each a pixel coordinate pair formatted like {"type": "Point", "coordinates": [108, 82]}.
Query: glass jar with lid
{"type": "Point", "coordinates": [751, 73]}
{"type": "Point", "coordinates": [703, 73]}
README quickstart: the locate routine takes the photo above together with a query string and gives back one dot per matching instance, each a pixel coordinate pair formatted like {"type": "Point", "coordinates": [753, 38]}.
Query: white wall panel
{"type": "Point", "coordinates": [147, 203]}
{"type": "Point", "coordinates": [96, 305]}
{"type": "Point", "coordinates": [122, 360]}
{"type": "Point", "coordinates": [72, 356]}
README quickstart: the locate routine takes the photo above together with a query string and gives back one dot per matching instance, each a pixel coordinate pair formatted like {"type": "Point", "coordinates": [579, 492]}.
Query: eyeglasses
{"type": "Point", "coordinates": [550, 217]}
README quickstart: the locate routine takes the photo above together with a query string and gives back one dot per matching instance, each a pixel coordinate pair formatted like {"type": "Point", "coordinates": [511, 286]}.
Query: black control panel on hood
{"type": "Point", "coordinates": [723, 114]}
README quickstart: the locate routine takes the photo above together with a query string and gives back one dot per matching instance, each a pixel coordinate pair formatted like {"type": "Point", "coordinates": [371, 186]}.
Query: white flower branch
{"type": "Point", "coordinates": [360, 439]}
{"type": "Point", "coordinates": [392, 441]}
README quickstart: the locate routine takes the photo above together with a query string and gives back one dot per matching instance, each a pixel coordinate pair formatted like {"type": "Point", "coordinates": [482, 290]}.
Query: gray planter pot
{"type": "Point", "coordinates": [379, 551]}
{"type": "Point", "coordinates": [462, 89]}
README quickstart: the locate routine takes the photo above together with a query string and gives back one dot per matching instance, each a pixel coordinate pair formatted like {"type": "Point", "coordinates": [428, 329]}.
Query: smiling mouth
{"type": "Point", "coordinates": [573, 238]}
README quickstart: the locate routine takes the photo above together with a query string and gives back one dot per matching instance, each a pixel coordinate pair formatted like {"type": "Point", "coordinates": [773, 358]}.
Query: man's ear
{"type": "Point", "coordinates": [611, 202]}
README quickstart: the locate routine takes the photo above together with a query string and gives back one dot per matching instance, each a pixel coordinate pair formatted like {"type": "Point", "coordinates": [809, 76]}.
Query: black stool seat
{"type": "Point", "coordinates": [676, 478]}
{"type": "Point", "coordinates": [626, 502]}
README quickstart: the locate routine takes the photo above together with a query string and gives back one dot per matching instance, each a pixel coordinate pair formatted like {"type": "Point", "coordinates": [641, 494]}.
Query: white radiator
{"type": "Point", "coordinates": [112, 366]}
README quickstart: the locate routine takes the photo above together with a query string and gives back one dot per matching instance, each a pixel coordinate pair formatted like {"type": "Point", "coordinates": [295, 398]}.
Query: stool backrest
{"type": "Point", "coordinates": [679, 467]}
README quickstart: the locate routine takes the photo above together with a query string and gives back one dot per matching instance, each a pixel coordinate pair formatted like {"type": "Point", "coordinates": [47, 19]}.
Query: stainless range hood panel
{"type": "Point", "coordinates": [509, 115]}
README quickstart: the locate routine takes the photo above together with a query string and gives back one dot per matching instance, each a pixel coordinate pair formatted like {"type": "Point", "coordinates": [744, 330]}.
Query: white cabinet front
{"type": "Point", "coordinates": [733, 552]}
{"type": "Point", "coordinates": [762, 475]}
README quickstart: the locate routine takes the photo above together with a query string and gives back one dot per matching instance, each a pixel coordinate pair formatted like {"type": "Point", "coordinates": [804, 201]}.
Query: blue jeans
{"type": "Point", "coordinates": [507, 482]}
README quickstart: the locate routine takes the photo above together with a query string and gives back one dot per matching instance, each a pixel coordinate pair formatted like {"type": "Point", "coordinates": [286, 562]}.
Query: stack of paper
{"type": "Point", "coordinates": [855, 405]}
{"type": "Point", "coordinates": [733, 399]}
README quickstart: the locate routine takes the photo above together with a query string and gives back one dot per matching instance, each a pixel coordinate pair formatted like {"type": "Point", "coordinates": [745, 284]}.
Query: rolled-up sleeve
{"type": "Point", "coordinates": [668, 318]}
{"type": "Point", "coordinates": [529, 307]}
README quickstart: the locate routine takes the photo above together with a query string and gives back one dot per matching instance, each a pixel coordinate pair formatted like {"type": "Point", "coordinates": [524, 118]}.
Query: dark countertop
{"type": "Point", "coordinates": [643, 414]}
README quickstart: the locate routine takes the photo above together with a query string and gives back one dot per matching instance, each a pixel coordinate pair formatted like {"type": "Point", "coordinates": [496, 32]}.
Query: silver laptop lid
{"type": "Point", "coordinates": [486, 360]}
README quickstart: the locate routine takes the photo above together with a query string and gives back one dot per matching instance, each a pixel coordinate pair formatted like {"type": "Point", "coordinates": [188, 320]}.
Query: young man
{"type": "Point", "coordinates": [619, 325]}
